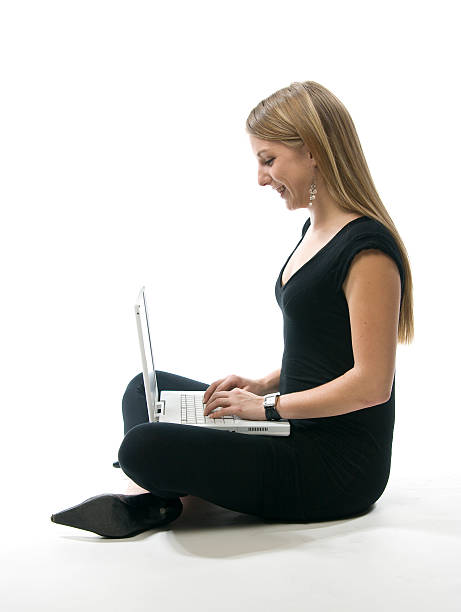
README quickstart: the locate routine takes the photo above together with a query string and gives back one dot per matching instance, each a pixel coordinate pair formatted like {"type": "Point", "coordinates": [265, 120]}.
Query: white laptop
{"type": "Point", "coordinates": [186, 407]}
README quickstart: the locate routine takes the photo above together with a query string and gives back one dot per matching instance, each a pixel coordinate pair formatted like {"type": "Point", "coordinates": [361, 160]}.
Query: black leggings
{"type": "Point", "coordinates": [254, 474]}
{"type": "Point", "coordinates": [223, 467]}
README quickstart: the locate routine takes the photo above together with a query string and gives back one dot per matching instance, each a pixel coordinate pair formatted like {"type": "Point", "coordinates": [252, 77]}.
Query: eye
{"type": "Point", "coordinates": [269, 162]}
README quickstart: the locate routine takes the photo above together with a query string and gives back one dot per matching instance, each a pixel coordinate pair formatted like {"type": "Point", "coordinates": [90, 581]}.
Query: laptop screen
{"type": "Point", "coordinates": [150, 384]}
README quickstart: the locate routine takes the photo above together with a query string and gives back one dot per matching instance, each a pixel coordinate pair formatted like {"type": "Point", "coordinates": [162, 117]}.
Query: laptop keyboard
{"type": "Point", "coordinates": [192, 412]}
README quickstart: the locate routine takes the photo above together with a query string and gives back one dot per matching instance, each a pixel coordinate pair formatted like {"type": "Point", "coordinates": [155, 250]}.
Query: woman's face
{"type": "Point", "coordinates": [281, 166]}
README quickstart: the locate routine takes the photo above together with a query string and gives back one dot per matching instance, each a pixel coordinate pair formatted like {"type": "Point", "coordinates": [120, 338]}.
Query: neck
{"type": "Point", "coordinates": [326, 216]}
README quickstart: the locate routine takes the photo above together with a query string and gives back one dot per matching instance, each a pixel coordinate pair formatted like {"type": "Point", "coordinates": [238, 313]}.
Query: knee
{"type": "Point", "coordinates": [132, 446]}
{"type": "Point", "coordinates": [145, 442]}
{"type": "Point", "coordinates": [135, 385]}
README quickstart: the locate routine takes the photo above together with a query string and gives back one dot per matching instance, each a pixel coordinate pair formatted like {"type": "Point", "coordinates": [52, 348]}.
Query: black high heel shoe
{"type": "Point", "coordinates": [115, 515]}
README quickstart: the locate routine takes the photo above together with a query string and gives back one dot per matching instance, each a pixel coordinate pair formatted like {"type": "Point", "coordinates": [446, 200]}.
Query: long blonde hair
{"type": "Point", "coordinates": [308, 113]}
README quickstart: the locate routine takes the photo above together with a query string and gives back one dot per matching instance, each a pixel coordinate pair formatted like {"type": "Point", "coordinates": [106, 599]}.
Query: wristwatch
{"type": "Point", "coordinates": [270, 401]}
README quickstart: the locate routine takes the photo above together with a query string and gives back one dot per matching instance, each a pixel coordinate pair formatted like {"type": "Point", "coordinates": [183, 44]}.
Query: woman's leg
{"type": "Point", "coordinates": [254, 474]}
{"type": "Point", "coordinates": [134, 405]}
{"type": "Point", "coordinates": [172, 460]}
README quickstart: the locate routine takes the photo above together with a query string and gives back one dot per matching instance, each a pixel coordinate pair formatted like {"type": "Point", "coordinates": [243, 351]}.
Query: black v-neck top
{"type": "Point", "coordinates": [316, 325]}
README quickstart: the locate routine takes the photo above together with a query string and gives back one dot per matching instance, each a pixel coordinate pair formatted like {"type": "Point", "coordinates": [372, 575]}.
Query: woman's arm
{"type": "Point", "coordinates": [372, 289]}
{"type": "Point", "coordinates": [344, 394]}
{"type": "Point", "coordinates": [271, 382]}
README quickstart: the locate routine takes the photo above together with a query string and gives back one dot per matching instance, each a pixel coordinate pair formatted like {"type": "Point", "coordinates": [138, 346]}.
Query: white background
{"type": "Point", "coordinates": [125, 162]}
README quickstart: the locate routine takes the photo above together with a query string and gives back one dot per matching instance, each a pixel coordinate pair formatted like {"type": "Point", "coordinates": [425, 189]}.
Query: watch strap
{"type": "Point", "coordinates": [270, 403]}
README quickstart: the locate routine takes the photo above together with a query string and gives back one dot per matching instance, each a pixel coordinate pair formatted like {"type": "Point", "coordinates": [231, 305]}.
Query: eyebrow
{"type": "Point", "coordinates": [262, 151]}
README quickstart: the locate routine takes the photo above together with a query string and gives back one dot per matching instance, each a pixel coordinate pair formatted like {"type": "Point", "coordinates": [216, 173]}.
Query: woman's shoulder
{"type": "Point", "coordinates": [365, 225]}
{"type": "Point", "coordinates": [368, 233]}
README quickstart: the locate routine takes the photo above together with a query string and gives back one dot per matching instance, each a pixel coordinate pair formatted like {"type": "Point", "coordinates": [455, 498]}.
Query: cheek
{"type": "Point", "coordinates": [298, 181]}
{"type": "Point", "coordinates": [281, 176]}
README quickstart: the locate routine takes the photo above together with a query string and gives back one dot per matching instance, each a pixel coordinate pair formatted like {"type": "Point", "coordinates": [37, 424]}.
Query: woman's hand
{"type": "Point", "coordinates": [246, 405]}
{"type": "Point", "coordinates": [232, 381]}
{"type": "Point", "coordinates": [238, 402]}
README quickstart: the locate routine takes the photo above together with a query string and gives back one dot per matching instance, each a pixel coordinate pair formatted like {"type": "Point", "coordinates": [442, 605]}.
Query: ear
{"type": "Point", "coordinates": [305, 150]}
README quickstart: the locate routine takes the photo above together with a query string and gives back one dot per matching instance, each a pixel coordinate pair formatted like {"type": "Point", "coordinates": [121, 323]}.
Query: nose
{"type": "Point", "coordinates": [263, 178]}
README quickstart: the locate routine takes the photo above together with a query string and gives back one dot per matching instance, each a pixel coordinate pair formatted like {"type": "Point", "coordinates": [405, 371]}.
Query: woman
{"type": "Point", "coordinates": [345, 293]}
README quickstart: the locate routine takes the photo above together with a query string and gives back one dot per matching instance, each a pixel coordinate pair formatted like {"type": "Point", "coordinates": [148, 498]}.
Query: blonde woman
{"type": "Point", "coordinates": [345, 294]}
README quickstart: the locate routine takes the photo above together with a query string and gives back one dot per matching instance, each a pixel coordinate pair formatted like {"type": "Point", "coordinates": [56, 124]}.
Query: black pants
{"type": "Point", "coordinates": [253, 474]}
{"type": "Point", "coordinates": [280, 478]}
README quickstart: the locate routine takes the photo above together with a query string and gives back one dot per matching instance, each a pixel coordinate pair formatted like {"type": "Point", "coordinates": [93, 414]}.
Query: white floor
{"type": "Point", "coordinates": [403, 555]}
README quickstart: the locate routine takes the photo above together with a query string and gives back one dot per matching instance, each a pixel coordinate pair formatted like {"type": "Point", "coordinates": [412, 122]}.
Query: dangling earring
{"type": "Point", "coordinates": [312, 191]}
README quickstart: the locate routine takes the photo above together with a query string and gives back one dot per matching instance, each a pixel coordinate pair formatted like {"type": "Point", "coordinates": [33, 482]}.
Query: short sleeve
{"type": "Point", "coordinates": [363, 241]}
